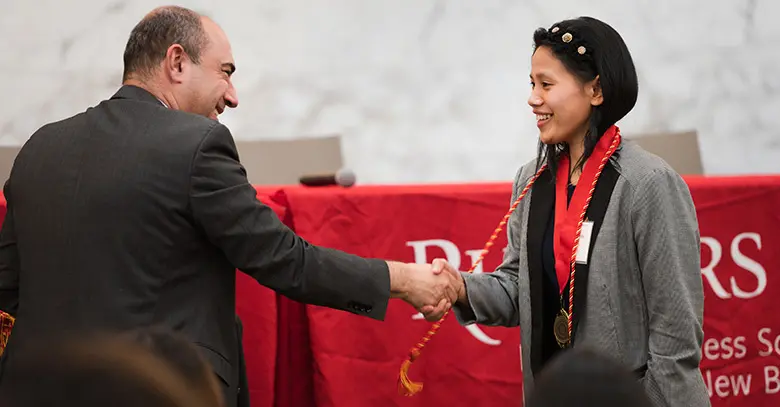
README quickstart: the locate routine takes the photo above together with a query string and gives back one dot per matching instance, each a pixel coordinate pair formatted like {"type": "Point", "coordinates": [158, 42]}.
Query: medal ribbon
{"type": "Point", "coordinates": [568, 221]}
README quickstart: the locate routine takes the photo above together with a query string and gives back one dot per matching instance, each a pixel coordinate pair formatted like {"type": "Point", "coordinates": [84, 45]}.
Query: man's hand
{"type": "Point", "coordinates": [427, 291]}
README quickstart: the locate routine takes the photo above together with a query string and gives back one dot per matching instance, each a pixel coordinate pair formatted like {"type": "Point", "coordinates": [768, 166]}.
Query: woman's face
{"type": "Point", "coordinates": [561, 103]}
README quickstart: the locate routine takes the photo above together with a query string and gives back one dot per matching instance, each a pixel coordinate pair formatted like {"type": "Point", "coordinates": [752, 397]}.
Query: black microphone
{"type": "Point", "coordinates": [342, 177]}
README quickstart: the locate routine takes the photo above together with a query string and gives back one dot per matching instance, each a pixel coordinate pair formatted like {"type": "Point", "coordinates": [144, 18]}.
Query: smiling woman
{"type": "Point", "coordinates": [556, 92]}
{"type": "Point", "coordinates": [604, 253]}
{"type": "Point", "coordinates": [578, 90]}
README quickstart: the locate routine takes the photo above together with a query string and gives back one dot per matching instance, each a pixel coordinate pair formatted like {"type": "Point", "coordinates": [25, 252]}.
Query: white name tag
{"type": "Point", "coordinates": [584, 245]}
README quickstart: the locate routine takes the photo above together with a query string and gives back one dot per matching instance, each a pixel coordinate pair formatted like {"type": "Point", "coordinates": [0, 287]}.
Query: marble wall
{"type": "Point", "coordinates": [421, 90]}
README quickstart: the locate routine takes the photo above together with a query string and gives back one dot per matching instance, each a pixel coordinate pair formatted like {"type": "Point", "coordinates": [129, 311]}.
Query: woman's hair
{"type": "Point", "coordinates": [590, 48]}
{"type": "Point", "coordinates": [584, 377]}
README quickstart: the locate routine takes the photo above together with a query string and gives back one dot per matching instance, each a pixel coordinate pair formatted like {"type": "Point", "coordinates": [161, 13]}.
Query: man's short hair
{"type": "Point", "coordinates": [151, 37]}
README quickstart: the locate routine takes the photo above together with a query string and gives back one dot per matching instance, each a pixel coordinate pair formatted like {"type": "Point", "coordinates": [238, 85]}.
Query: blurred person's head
{"type": "Point", "coordinates": [184, 59]}
{"type": "Point", "coordinates": [583, 81]}
{"type": "Point", "coordinates": [184, 357]}
{"type": "Point", "coordinates": [99, 372]}
{"type": "Point", "coordinates": [581, 378]}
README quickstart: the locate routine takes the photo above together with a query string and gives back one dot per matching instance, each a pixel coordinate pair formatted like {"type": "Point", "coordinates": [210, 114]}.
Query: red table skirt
{"type": "Point", "coordinates": [300, 355]}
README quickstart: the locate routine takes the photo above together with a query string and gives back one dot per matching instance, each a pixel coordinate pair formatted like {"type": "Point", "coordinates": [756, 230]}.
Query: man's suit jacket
{"type": "Point", "coordinates": [132, 214]}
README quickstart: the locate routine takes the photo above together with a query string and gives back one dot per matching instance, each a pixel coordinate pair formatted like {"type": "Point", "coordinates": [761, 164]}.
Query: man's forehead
{"type": "Point", "coordinates": [214, 31]}
{"type": "Point", "coordinates": [219, 45]}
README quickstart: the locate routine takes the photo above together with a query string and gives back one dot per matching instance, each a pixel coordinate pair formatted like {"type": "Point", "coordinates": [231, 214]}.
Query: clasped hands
{"type": "Point", "coordinates": [432, 289]}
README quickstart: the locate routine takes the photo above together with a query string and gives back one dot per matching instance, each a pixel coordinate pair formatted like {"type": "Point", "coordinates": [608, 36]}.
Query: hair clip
{"type": "Point", "coordinates": [567, 38]}
{"type": "Point", "coordinates": [554, 30]}
{"type": "Point", "coordinates": [581, 50]}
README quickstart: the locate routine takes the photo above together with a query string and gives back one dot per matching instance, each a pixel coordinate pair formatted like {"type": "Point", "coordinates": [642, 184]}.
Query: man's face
{"type": "Point", "coordinates": [208, 88]}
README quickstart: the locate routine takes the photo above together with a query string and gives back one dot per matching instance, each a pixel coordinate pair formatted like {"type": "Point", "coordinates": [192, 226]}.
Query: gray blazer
{"type": "Point", "coordinates": [644, 296]}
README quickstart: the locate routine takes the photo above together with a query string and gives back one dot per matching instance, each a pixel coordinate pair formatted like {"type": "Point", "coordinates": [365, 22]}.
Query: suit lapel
{"type": "Point", "coordinates": [596, 212]}
{"type": "Point", "coordinates": [542, 203]}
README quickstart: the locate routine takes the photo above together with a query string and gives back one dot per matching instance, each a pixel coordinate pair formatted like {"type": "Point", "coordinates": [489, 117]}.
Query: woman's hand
{"type": "Point", "coordinates": [439, 266]}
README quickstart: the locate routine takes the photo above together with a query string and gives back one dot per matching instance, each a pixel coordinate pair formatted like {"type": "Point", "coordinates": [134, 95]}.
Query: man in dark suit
{"type": "Point", "coordinates": [137, 211]}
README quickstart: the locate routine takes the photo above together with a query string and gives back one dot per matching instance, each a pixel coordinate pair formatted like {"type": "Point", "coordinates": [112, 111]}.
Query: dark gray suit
{"type": "Point", "coordinates": [132, 214]}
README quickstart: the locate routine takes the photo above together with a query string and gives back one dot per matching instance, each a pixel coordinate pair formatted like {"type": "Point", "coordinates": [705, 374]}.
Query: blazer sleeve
{"type": "Point", "coordinates": [666, 234]}
{"type": "Point", "coordinates": [493, 297]}
{"type": "Point", "coordinates": [256, 242]}
{"type": "Point", "coordinates": [9, 260]}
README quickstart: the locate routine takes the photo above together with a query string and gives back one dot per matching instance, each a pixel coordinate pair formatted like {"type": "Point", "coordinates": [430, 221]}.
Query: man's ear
{"type": "Point", "coordinates": [175, 62]}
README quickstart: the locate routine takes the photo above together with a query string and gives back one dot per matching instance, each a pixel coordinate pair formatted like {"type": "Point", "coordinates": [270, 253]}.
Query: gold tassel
{"type": "Point", "coordinates": [409, 388]}
{"type": "Point", "coordinates": [405, 385]}
{"type": "Point", "coordinates": [6, 325]}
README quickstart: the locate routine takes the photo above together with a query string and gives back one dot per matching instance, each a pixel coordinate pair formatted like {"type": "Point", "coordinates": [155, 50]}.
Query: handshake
{"type": "Point", "coordinates": [432, 289]}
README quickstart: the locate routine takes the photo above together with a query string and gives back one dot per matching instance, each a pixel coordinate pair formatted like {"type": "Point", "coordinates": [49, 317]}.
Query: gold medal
{"type": "Point", "coordinates": [561, 329]}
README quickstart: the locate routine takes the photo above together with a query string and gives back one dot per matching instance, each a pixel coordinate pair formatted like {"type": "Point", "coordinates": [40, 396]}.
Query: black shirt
{"type": "Point", "coordinates": [551, 299]}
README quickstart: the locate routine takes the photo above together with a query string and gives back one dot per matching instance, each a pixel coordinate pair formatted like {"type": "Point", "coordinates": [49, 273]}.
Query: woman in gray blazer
{"type": "Point", "coordinates": [604, 247]}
